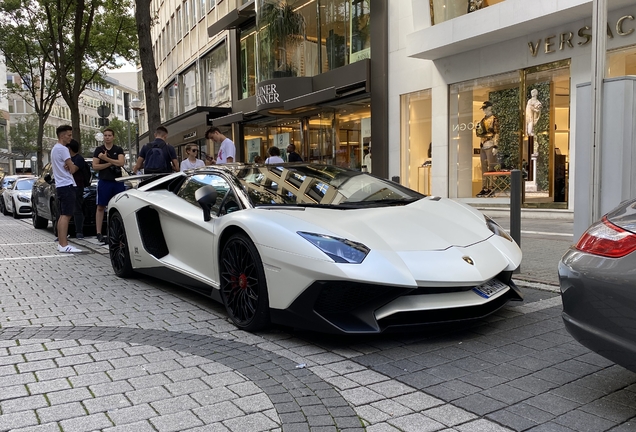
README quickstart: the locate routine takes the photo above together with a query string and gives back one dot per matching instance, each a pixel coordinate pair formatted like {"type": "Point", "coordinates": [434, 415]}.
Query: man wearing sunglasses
{"type": "Point", "coordinates": [191, 162]}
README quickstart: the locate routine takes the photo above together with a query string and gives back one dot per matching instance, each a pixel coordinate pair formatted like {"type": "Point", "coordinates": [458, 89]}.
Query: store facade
{"type": "Point", "coordinates": [467, 106]}
{"type": "Point", "coordinates": [303, 73]}
{"type": "Point", "coordinates": [273, 73]}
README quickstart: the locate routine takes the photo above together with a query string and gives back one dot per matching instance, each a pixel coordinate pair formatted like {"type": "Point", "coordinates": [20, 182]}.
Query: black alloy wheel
{"type": "Point", "coordinates": [118, 246]}
{"type": "Point", "coordinates": [38, 222]}
{"type": "Point", "coordinates": [243, 286]}
{"type": "Point", "coordinates": [15, 210]}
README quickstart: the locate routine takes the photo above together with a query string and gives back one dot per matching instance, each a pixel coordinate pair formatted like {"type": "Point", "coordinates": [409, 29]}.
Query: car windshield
{"type": "Point", "coordinates": [25, 184]}
{"type": "Point", "coordinates": [315, 185]}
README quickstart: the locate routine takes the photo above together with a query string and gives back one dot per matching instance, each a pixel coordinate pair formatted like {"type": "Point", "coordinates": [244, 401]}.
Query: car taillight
{"type": "Point", "coordinates": [608, 240]}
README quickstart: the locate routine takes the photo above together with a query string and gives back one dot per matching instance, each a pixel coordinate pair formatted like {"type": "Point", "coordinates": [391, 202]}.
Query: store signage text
{"type": "Point", "coordinates": [464, 126]}
{"type": "Point", "coordinates": [189, 135]}
{"type": "Point", "coordinates": [555, 43]}
{"type": "Point", "coordinates": [267, 95]}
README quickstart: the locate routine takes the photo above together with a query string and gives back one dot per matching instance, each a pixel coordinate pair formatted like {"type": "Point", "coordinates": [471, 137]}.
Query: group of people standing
{"type": "Point", "coordinates": [70, 171]}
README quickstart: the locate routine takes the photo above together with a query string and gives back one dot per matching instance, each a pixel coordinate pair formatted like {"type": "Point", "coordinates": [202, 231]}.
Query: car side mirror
{"type": "Point", "coordinates": [48, 179]}
{"type": "Point", "coordinates": [206, 197]}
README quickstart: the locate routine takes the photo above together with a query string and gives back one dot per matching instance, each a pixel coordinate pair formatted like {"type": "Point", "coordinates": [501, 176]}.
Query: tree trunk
{"type": "Point", "coordinates": [148, 67]}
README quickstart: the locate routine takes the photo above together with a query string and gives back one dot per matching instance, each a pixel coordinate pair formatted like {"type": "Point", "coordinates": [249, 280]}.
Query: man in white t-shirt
{"type": "Point", "coordinates": [191, 162]}
{"type": "Point", "coordinates": [227, 152]}
{"type": "Point", "coordinates": [63, 169]}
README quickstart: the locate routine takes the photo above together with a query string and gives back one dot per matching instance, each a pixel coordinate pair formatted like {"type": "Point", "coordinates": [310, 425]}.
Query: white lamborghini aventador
{"type": "Point", "coordinates": [314, 246]}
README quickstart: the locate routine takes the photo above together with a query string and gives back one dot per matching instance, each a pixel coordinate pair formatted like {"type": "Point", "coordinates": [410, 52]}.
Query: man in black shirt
{"type": "Point", "coordinates": [292, 156]}
{"type": "Point", "coordinates": [80, 181]}
{"type": "Point", "coordinates": [107, 161]}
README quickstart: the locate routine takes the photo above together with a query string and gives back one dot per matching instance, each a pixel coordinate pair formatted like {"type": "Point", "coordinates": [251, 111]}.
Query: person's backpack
{"type": "Point", "coordinates": [155, 160]}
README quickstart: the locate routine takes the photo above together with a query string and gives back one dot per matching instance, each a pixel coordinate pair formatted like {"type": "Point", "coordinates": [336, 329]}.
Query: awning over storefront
{"type": "Point", "coordinates": [497, 23]}
{"type": "Point", "coordinates": [235, 18]}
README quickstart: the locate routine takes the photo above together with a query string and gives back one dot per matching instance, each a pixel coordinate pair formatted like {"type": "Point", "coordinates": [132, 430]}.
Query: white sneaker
{"type": "Point", "coordinates": [68, 249]}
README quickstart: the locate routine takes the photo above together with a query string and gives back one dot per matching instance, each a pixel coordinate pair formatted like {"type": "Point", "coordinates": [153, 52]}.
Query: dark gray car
{"type": "Point", "coordinates": [598, 286]}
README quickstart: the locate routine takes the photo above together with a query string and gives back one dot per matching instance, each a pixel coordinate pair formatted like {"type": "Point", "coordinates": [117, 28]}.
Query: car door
{"type": "Point", "coordinates": [189, 238]}
{"type": "Point", "coordinates": [42, 192]}
{"type": "Point", "coordinates": [8, 197]}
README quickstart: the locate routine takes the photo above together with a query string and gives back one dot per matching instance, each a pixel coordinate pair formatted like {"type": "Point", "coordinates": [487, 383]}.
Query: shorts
{"type": "Point", "coordinates": [66, 197]}
{"type": "Point", "coordinates": [106, 189]}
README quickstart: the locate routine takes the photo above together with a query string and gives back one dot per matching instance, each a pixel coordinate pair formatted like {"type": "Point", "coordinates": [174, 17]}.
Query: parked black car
{"type": "Point", "coordinates": [45, 207]}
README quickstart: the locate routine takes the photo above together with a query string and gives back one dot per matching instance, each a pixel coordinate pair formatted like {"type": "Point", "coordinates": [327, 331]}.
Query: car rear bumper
{"type": "Point", "coordinates": [598, 305]}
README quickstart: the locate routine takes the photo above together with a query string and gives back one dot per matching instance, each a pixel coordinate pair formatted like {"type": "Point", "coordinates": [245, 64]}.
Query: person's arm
{"type": "Point", "coordinates": [138, 165]}
{"type": "Point", "coordinates": [175, 165]}
{"type": "Point", "coordinates": [70, 166]}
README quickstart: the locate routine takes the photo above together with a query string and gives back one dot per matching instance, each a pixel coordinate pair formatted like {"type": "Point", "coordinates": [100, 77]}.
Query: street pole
{"type": "Point", "coordinates": [129, 147]}
{"type": "Point", "coordinates": [599, 24]}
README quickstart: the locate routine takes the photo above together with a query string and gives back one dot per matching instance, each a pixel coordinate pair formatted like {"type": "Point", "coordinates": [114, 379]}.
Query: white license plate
{"type": "Point", "coordinates": [490, 288]}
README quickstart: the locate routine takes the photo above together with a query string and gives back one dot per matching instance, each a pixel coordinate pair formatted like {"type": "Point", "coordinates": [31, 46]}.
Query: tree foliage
{"type": "Point", "coordinates": [86, 38]}
{"type": "Point", "coordinates": [23, 43]}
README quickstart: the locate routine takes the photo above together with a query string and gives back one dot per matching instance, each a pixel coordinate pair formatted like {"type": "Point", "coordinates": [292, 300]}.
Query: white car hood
{"type": "Point", "coordinates": [426, 225]}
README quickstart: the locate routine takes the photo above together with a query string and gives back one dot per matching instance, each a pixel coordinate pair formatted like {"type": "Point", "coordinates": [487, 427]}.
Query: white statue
{"type": "Point", "coordinates": [533, 112]}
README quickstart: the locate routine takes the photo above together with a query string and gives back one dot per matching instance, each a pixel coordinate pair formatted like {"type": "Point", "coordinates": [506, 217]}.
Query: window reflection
{"type": "Point", "coordinates": [215, 74]}
{"type": "Point", "coordinates": [444, 10]}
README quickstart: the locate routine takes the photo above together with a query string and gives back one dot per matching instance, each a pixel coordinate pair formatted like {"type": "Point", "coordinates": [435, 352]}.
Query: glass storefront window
{"type": "Point", "coordinates": [621, 62]}
{"type": "Point", "coordinates": [215, 76]}
{"type": "Point", "coordinates": [248, 61]}
{"type": "Point", "coordinates": [360, 30]}
{"type": "Point", "coordinates": [189, 89]}
{"type": "Point", "coordinates": [335, 136]}
{"type": "Point", "coordinates": [306, 38]}
{"type": "Point", "coordinates": [416, 148]}
{"type": "Point", "coordinates": [444, 10]}
{"type": "Point", "coordinates": [518, 120]}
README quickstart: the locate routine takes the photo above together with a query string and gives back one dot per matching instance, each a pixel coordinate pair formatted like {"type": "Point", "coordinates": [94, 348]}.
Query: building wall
{"type": "Point", "coordinates": [408, 74]}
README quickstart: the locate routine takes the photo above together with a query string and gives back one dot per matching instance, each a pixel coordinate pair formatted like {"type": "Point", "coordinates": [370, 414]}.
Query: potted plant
{"type": "Point", "coordinates": [285, 29]}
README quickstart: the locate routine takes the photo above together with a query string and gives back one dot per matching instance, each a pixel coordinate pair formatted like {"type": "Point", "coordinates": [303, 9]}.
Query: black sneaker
{"type": "Point", "coordinates": [102, 238]}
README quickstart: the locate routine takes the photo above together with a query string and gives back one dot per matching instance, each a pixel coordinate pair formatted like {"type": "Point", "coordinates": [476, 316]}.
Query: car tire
{"type": "Point", "coordinates": [243, 285]}
{"type": "Point", "coordinates": [4, 208]}
{"type": "Point", "coordinates": [118, 247]}
{"type": "Point", "coordinates": [15, 211]}
{"type": "Point", "coordinates": [38, 222]}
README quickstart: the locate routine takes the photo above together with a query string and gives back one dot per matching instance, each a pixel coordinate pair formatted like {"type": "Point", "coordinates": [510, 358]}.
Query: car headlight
{"type": "Point", "coordinates": [339, 250]}
{"type": "Point", "coordinates": [495, 228]}
{"type": "Point", "coordinates": [24, 198]}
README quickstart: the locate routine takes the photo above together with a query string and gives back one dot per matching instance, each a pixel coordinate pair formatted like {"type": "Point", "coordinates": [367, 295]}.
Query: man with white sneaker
{"type": "Point", "coordinates": [63, 169]}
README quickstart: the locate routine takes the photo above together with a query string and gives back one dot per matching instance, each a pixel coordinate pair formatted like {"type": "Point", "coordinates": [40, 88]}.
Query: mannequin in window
{"type": "Point", "coordinates": [488, 132]}
{"type": "Point", "coordinates": [533, 112]}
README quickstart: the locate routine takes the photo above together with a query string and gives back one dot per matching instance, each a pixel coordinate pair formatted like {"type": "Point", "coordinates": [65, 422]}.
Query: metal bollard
{"type": "Point", "coordinates": [515, 208]}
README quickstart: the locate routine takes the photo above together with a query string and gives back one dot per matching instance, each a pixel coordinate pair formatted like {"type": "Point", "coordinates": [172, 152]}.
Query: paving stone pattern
{"type": "Point", "coordinates": [82, 350]}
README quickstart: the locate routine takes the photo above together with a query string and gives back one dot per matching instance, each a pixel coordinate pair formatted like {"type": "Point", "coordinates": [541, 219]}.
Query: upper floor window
{"type": "Point", "coordinates": [444, 10]}
{"type": "Point", "coordinates": [215, 76]}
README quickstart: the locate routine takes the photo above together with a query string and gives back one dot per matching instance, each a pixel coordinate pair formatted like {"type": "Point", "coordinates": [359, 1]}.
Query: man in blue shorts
{"type": "Point", "coordinates": [107, 161]}
{"type": "Point", "coordinates": [63, 169]}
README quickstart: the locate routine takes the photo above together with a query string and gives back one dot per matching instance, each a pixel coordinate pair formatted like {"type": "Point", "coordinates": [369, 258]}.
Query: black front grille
{"type": "Point", "coordinates": [341, 297]}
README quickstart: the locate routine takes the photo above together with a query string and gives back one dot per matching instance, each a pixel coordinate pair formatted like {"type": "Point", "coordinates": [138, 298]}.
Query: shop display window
{"type": "Point", "coordinates": [444, 10]}
{"type": "Point", "coordinates": [621, 62]}
{"type": "Point", "coordinates": [335, 136]}
{"type": "Point", "coordinates": [306, 38]}
{"type": "Point", "coordinates": [518, 120]}
{"type": "Point", "coordinates": [416, 144]}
